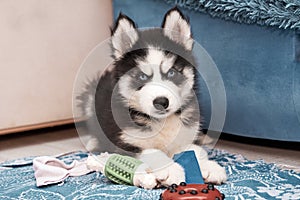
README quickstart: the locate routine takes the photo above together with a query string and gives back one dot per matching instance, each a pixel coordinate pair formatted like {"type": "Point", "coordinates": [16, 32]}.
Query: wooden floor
{"type": "Point", "coordinates": [53, 141]}
{"type": "Point", "coordinates": [50, 141]}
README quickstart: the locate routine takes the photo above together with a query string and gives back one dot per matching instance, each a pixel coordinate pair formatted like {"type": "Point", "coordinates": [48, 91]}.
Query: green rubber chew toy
{"type": "Point", "coordinates": [120, 169]}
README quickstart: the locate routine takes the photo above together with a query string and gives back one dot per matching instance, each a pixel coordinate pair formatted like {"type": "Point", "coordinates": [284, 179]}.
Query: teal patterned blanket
{"type": "Point", "coordinates": [246, 180]}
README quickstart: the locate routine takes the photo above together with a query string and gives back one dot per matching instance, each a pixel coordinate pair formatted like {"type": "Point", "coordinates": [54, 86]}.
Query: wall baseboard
{"type": "Point", "coordinates": [36, 126]}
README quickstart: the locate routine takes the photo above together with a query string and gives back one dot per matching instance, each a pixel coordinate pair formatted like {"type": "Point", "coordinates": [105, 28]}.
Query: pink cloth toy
{"type": "Point", "coordinates": [50, 170]}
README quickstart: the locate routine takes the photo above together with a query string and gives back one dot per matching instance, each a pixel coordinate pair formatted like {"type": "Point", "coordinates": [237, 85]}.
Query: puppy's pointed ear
{"type": "Point", "coordinates": [177, 28]}
{"type": "Point", "coordinates": [124, 35]}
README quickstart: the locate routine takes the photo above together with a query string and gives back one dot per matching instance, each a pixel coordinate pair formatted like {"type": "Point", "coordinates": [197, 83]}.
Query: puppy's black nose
{"type": "Point", "coordinates": [161, 103]}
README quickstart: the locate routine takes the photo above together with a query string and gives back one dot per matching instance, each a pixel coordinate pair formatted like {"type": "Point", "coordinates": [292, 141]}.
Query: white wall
{"type": "Point", "coordinates": [42, 44]}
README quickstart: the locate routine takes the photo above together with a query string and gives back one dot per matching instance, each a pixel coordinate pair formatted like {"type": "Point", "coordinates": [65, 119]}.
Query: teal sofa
{"type": "Point", "coordinates": [257, 51]}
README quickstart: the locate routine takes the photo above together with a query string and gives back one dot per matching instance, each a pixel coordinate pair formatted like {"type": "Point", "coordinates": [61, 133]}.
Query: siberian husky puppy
{"type": "Point", "coordinates": [146, 102]}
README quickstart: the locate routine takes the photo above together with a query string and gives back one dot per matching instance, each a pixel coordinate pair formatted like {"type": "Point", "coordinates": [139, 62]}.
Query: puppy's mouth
{"type": "Point", "coordinates": [162, 112]}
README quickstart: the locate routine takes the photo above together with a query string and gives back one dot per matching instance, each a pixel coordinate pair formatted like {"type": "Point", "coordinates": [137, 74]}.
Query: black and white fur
{"type": "Point", "coordinates": [145, 102]}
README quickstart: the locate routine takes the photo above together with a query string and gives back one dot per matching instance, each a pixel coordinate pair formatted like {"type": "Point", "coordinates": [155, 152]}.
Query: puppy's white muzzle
{"type": "Point", "coordinates": [159, 100]}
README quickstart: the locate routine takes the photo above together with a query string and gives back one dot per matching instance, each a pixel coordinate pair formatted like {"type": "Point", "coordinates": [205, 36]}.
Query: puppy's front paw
{"type": "Point", "coordinates": [170, 174]}
{"type": "Point", "coordinates": [146, 181]}
{"type": "Point", "coordinates": [212, 172]}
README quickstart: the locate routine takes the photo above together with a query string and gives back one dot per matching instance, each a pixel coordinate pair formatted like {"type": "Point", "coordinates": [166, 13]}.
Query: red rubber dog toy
{"type": "Point", "coordinates": [192, 192]}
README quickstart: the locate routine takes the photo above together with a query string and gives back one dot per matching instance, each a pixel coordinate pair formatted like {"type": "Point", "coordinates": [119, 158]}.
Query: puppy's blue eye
{"type": "Point", "coordinates": [143, 77]}
{"type": "Point", "coordinates": [171, 73]}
